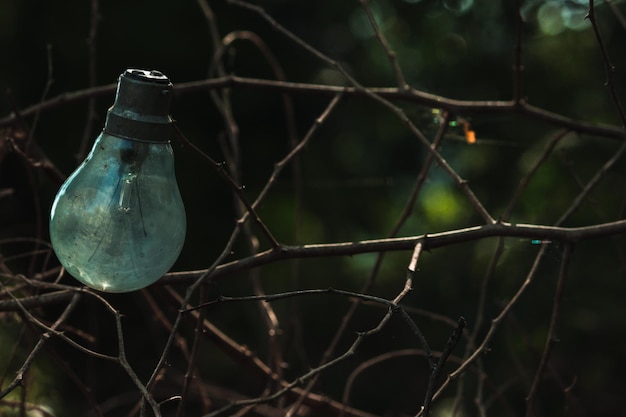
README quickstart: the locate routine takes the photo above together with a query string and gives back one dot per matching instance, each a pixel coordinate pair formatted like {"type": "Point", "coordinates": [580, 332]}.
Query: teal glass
{"type": "Point", "coordinates": [118, 222]}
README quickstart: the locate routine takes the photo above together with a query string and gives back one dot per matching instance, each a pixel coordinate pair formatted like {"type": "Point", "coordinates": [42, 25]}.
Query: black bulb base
{"type": "Point", "coordinates": [141, 108]}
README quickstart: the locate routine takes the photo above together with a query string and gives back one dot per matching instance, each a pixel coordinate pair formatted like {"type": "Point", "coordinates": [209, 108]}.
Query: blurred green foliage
{"type": "Point", "coordinates": [356, 175]}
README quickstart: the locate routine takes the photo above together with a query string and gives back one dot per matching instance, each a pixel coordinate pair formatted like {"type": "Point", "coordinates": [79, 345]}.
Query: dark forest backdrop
{"type": "Point", "coordinates": [469, 150]}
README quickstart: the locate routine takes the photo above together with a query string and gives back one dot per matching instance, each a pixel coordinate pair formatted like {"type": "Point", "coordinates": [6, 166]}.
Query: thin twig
{"type": "Point", "coordinates": [608, 65]}
{"type": "Point", "coordinates": [593, 182]}
{"type": "Point", "coordinates": [437, 369]}
{"type": "Point", "coordinates": [278, 167]}
{"type": "Point", "coordinates": [617, 12]}
{"type": "Point", "coordinates": [525, 181]}
{"type": "Point", "coordinates": [244, 355]}
{"type": "Point", "coordinates": [260, 11]}
{"type": "Point", "coordinates": [233, 155]}
{"type": "Point", "coordinates": [52, 331]}
{"type": "Point", "coordinates": [123, 361]}
{"type": "Point", "coordinates": [460, 182]}
{"type": "Point", "coordinates": [393, 307]}
{"type": "Point", "coordinates": [571, 209]}
{"type": "Point", "coordinates": [491, 268]}
{"type": "Point", "coordinates": [391, 54]}
{"type": "Point", "coordinates": [495, 324]}
{"type": "Point", "coordinates": [219, 169]}
{"type": "Point", "coordinates": [44, 94]}
{"type": "Point", "coordinates": [198, 280]}
{"type": "Point", "coordinates": [20, 374]}
{"type": "Point", "coordinates": [518, 67]}
{"type": "Point", "coordinates": [193, 358]}
{"type": "Point", "coordinates": [92, 71]}
{"type": "Point", "coordinates": [406, 212]}
{"type": "Point", "coordinates": [551, 337]}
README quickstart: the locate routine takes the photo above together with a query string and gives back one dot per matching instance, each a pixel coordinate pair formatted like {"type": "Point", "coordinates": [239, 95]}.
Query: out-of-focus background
{"type": "Point", "coordinates": [350, 183]}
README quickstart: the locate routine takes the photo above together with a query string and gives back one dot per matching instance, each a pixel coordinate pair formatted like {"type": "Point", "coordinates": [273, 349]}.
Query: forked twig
{"type": "Point", "coordinates": [393, 307]}
{"type": "Point", "coordinates": [461, 183]}
{"type": "Point", "coordinates": [247, 358]}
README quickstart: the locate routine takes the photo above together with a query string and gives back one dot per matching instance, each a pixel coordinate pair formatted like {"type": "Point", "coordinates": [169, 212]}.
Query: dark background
{"type": "Point", "coordinates": [356, 174]}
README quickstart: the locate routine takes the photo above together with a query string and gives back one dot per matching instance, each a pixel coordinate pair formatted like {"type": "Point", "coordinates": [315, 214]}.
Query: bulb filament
{"type": "Point", "coordinates": [128, 181]}
{"type": "Point", "coordinates": [128, 191]}
{"type": "Point", "coordinates": [129, 197]}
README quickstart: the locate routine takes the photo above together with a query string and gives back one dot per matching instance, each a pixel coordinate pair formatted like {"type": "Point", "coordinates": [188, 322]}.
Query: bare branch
{"type": "Point", "coordinates": [413, 95]}
{"type": "Point", "coordinates": [431, 241]}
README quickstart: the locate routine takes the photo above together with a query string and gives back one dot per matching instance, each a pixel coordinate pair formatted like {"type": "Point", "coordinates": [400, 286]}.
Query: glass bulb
{"type": "Point", "coordinates": [118, 222]}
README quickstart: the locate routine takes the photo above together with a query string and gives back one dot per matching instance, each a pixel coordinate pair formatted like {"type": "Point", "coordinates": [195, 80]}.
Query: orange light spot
{"type": "Point", "coordinates": [470, 136]}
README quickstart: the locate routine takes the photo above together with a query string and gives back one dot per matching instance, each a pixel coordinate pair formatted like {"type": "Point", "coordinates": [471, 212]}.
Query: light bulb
{"type": "Point", "coordinates": [118, 222]}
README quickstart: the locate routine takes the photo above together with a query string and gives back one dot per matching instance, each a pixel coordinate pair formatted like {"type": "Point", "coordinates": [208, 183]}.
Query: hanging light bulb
{"type": "Point", "coordinates": [118, 223]}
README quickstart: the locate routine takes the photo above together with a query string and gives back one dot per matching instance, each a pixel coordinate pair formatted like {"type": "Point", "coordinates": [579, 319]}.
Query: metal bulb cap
{"type": "Point", "coordinates": [141, 108]}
